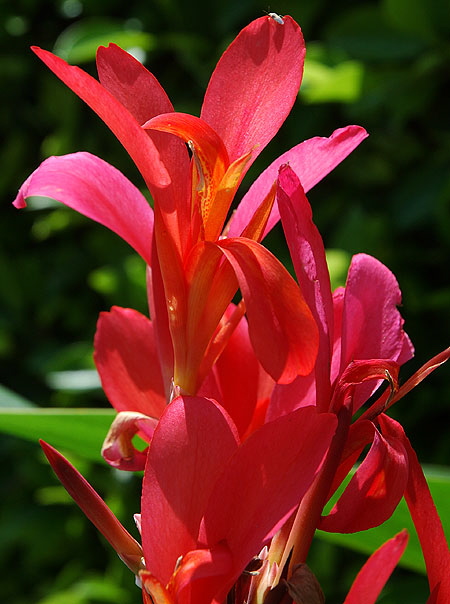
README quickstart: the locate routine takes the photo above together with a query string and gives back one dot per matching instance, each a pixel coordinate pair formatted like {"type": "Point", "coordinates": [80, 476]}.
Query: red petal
{"type": "Point", "coordinates": [374, 491]}
{"type": "Point", "coordinates": [95, 508]}
{"type": "Point", "coordinates": [116, 117]}
{"type": "Point", "coordinates": [127, 361]}
{"type": "Point", "coordinates": [308, 255]}
{"type": "Point", "coordinates": [190, 447]}
{"type": "Point", "coordinates": [96, 189]}
{"type": "Point", "coordinates": [376, 571]}
{"type": "Point", "coordinates": [427, 522]}
{"type": "Point", "coordinates": [254, 85]}
{"type": "Point", "coordinates": [265, 480]}
{"type": "Point", "coordinates": [311, 160]}
{"type": "Point", "coordinates": [140, 92]}
{"type": "Point", "coordinates": [282, 329]}
{"type": "Point", "coordinates": [239, 377]}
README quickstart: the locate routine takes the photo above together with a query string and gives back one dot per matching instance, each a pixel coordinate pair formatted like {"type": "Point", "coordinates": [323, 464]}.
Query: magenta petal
{"type": "Point", "coordinates": [374, 491]}
{"type": "Point", "coordinates": [311, 160]}
{"type": "Point", "coordinates": [308, 255]}
{"type": "Point", "coordinates": [96, 189]}
{"type": "Point", "coordinates": [372, 327]}
{"type": "Point", "coordinates": [376, 571]}
{"type": "Point", "coordinates": [115, 115]}
{"type": "Point", "coordinates": [190, 447]}
{"type": "Point", "coordinates": [254, 85]}
{"type": "Point", "coordinates": [127, 361]}
{"type": "Point", "coordinates": [372, 297]}
{"type": "Point", "coordinates": [265, 480]}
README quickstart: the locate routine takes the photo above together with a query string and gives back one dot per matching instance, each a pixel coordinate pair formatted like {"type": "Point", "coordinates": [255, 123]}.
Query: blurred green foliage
{"type": "Point", "coordinates": [381, 64]}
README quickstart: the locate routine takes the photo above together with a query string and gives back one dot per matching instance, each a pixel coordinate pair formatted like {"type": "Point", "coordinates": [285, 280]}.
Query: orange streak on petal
{"type": "Point", "coordinates": [224, 197]}
{"type": "Point", "coordinates": [210, 156]}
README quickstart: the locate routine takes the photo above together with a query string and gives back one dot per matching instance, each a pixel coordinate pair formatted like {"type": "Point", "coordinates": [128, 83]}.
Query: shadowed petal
{"type": "Point", "coordinates": [282, 329]}
{"type": "Point", "coordinates": [308, 255]}
{"type": "Point", "coordinates": [426, 520]}
{"type": "Point", "coordinates": [264, 481]}
{"type": "Point", "coordinates": [96, 189]}
{"type": "Point", "coordinates": [254, 85]}
{"type": "Point", "coordinates": [127, 361]}
{"type": "Point", "coordinates": [374, 491]}
{"type": "Point", "coordinates": [190, 447]}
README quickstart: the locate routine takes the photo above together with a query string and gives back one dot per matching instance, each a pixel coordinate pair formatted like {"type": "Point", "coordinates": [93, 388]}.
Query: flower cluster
{"type": "Point", "coordinates": [253, 411]}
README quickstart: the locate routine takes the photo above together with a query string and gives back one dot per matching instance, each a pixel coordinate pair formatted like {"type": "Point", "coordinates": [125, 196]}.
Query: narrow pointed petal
{"type": "Point", "coordinates": [282, 329]}
{"type": "Point", "coordinates": [308, 255]}
{"type": "Point", "coordinates": [95, 508]}
{"type": "Point", "coordinates": [426, 520]}
{"type": "Point", "coordinates": [376, 571]}
{"type": "Point", "coordinates": [253, 498]}
{"type": "Point", "coordinates": [190, 447]}
{"type": "Point", "coordinates": [255, 85]}
{"type": "Point", "coordinates": [311, 160]}
{"type": "Point", "coordinates": [125, 127]}
{"type": "Point", "coordinates": [97, 190]}
{"type": "Point", "coordinates": [374, 491]}
{"type": "Point", "coordinates": [141, 94]}
{"type": "Point", "coordinates": [420, 375]}
{"type": "Point", "coordinates": [127, 361]}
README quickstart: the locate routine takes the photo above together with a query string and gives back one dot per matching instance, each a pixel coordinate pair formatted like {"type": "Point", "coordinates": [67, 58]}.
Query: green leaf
{"type": "Point", "coordinates": [367, 542]}
{"type": "Point", "coordinates": [81, 431]}
{"type": "Point", "coordinates": [8, 398]}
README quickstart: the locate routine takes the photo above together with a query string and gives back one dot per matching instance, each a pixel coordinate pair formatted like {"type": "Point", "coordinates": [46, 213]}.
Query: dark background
{"type": "Point", "coordinates": [383, 65]}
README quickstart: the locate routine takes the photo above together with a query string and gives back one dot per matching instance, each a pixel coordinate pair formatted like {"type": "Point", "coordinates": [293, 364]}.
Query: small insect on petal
{"type": "Point", "coordinates": [277, 18]}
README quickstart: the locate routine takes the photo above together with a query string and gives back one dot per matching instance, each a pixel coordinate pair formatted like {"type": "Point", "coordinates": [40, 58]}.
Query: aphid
{"type": "Point", "coordinates": [277, 18]}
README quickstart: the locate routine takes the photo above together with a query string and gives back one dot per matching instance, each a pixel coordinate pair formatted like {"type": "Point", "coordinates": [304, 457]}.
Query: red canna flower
{"type": "Point", "coordinates": [209, 502]}
{"type": "Point", "coordinates": [362, 344]}
{"type": "Point", "coordinates": [195, 270]}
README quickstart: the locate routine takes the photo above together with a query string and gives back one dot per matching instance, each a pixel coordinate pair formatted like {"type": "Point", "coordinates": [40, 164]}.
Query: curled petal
{"type": "Point", "coordinates": [95, 509]}
{"type": "Point", "coordinates": [374, 491]}
{"type": "Point", "coordinates": [118, 448]}
{"type": "Point", "coordinates": [359, 372]}
{"type": "Point", "coordinates": [197, 574]}
{"type": "Point", "coordinates": [376, 571]}
{"type": "Point", "coordinates": [97, 190]}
